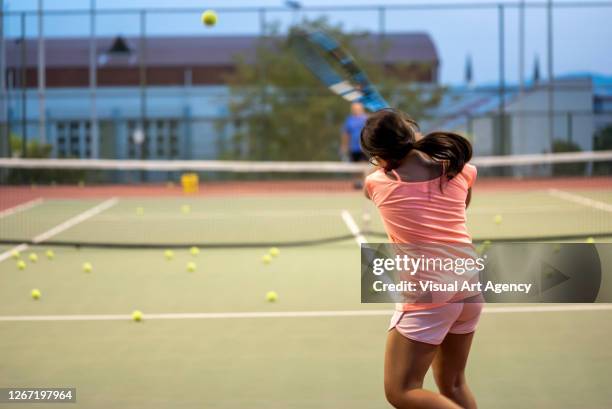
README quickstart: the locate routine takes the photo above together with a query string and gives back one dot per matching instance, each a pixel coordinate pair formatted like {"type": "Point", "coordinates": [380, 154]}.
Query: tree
{"type": "Point", "coordinates": [280, 111]}
{"type": "Point", "coordinates": [567, 169]}
{"type": "Point", "coordinates": [34, 149]}
{"type": "Point", "coordinates": [603, 142]}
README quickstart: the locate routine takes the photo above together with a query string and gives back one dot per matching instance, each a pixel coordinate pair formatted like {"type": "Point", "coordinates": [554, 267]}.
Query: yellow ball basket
{"type": "Point", "coordinates": [190, 183]}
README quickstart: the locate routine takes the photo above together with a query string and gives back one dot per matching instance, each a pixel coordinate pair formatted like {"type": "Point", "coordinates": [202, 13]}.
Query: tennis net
{"type": "Point", "coordinates": [234, 204]}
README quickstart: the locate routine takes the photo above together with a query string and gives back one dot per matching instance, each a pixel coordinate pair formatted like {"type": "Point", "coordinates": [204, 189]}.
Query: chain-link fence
{"type": "Point", "coordinates": [67, 83]}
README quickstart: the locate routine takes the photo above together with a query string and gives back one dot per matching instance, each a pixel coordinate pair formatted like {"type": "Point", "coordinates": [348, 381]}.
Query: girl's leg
{"type": "Point", "coordinates": [406, 363]}
{"type": "Point", "coordinates": [449, 369]}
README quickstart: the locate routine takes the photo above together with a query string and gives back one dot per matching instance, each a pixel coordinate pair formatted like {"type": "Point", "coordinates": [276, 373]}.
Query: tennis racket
{"type": "Point", "coordinates": [335, 67]}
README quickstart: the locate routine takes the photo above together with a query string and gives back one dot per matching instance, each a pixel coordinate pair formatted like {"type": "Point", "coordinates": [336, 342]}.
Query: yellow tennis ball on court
{"type": "Point", "coordinates": [185, 209]}
{"type": "Point", "coordinates": [266, 259]}
{"type": "Point", "coordinates": [87, 267]}
{"type": "Point", "coordinates": [274, 251]}
{"type": "Point", "coordinates": [482, 248]}
{"type": "Point", "coordinates": [194, 251]}
{"type": "Point", "coordinates": [209, 18]}
{"type": "Point", "coordinates": [271, 296]}
{"type": "Point", "coordinates": [15, 254]}
{"type": "Point", "coordinates": [140, 211]}
{"type": "Point", "coordinates": [191, 266]}
{"type": "Point", "coordinates": [36, 293]}
{"type": "Point", "coordinates": [590, 240]}
{"type": "Point", "coordinates": [169, 254]}
{"type": "Point", "coordinates": [33, 257]}
{"type": "Point", "coordinates": [137, 315]}
{"type": "Point", "coordinates": [498, 219]}
{"type": "Point", "coordinates": [21, 265]}
{"type": "Point", "coordinates": [50, 254]}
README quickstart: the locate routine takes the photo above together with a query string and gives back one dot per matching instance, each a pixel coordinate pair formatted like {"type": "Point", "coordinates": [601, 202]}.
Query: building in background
{"type": "Point", "coordinates": [174, 85]}
{"type": "Point", "coordinates": [580, 107]}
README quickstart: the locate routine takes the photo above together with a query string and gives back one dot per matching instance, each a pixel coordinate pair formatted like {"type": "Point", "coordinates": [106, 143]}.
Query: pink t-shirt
{"type": "Point", "coordinates": [421, 212]}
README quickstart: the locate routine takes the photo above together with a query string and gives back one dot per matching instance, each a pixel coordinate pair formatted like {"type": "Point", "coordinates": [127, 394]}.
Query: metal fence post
{"type": "Point", "coordinates": [262, 21]}
{"type": "Point", "coordinates": [551, 76]}
{"type": "Point", "coordinates": [502, 81]}
{"type": "Point", "coordinates": [42, 109]}
{"type": "Point", "coordinates": [93, 83]}
{"type": "Point", "coordinates": [4, 129]}
{"type": "Point", "coordinates": [143, 75]}
{"type": "Point", "coordinates": [24, 88]}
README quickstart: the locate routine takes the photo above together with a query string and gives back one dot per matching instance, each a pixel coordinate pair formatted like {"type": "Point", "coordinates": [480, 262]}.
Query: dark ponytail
{"type": "Point", "coordinates": [449, 149]}
{"type": "Point", "coordinates": [390, 135]}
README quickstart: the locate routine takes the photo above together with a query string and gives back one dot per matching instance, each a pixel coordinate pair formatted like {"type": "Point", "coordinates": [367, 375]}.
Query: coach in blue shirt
{"type": "Point", "coordinates": [349, 146]}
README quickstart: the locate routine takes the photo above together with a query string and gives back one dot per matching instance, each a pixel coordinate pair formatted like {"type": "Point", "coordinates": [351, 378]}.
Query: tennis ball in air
{"type": "Point", "coordinates": [169, 254]}
{"type": "Point", "coordinates": [274, 251]}
{"type": "Point", "coordinates": [140, 211]}
{"type": "Point", "coordinates": [590, 240]}
{"type": "Point", "coordinates": [194, 251]}
{"type": "Point", "coordinates": [21, 265]}
{"type": "Point", "coordinates": [15, 254]}
{"type": "Point", "coordinates": [87, 267]}
{"type": "Point", "coordinates": [266, 259]}
{"type": "Point", "coordinates": [36, 293]}
{"type": "Point", "coordinates": [33, 257]}
{"type": "Point", "coordinates": [209, 18]}
{"type": "Point", "coordinates": [50, 254]}
{"type": "Point", "coordinates": [137, 315]}
{"type": "Point", "coordinates": [185, 209]}
{"type": "Point", "coordinates": [191, 266]}
{"type": "Point", "coordinates": [271, 296]}
{"type": "Point", "coordinates": [498, 219]}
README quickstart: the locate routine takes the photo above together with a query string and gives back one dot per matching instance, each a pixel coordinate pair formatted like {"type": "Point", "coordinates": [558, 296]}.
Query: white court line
{"type": "Point", "coordinates": [76, 220]}
{"type": "Point", "coordinates": [353, 228]}
{"type": "Point", "coordinates": [21, 207]}
{"type": "Point", "coordinates": [63, 226]}
{"type": "Point", "coordinates": [293, 314]}
{"type": "Point", "coordinates": [8, 253]}
{"type": "Point", "coordinates": [582, 200]}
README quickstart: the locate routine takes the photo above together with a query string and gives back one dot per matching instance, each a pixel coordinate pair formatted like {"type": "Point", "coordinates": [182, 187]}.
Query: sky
{"type": "Point", "coordinates": [581, 35]}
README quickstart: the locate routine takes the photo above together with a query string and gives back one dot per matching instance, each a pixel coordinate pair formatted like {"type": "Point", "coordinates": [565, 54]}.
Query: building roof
{"type": "Point", "coordinates": [197, 51]}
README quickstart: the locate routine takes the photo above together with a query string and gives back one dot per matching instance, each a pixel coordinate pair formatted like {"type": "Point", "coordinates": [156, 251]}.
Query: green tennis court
{"type": "Point", "coordinates": [210, 339]}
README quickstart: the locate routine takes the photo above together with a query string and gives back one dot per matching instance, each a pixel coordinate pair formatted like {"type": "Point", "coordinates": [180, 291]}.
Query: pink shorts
{"type": "Point", "coordinates": [431, 325]}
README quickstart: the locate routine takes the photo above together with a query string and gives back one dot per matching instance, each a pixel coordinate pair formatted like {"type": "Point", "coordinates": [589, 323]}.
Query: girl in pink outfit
{"type": "Point", "coordinates": [422, 187]}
